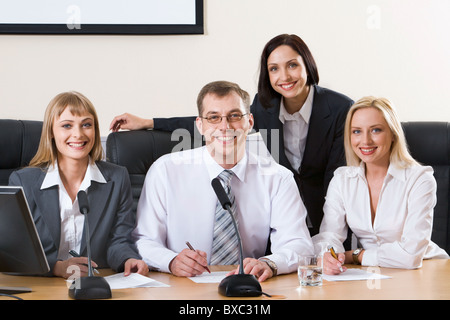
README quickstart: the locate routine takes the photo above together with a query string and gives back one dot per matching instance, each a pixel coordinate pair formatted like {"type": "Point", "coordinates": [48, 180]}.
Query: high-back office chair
{"type": "Point", "coordinates": [19, 141]}
{"type": "Point", "coordinates": [137, 150]}
{"type": "Point", "coordinates": [429, 143]}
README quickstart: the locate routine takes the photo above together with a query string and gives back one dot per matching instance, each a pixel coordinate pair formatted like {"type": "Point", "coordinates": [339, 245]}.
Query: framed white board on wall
{"type": "Point", "coordinates": [101, 17]}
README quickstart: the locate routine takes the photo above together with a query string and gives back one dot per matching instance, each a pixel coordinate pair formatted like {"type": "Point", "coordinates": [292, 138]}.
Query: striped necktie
{"type": "Point", "coordinates": [225, 248]}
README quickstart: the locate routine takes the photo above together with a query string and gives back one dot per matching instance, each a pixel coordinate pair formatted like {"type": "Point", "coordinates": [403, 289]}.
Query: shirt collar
{"type": "Point", "coordinates": [53, 178]}
{"type": "Point", "coordinates": [393, 171]}
{"type": "Point", "coordinates": [397, 172]}
{"type": "Point", "coordinates": [304, 112]}
{"type": "Point", "coordinates": [214, 169]}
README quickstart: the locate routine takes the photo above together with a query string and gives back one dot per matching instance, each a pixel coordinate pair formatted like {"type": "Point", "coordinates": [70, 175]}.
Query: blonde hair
{"type": "Point", "coordinates": [400, 155]}
{"type": "Point", "coordinates": [77, 103]}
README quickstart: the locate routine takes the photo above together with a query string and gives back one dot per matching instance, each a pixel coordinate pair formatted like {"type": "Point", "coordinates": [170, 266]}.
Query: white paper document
{"type": "Point", "coordinates": [134, 280]}
{"type": "Point", "coordinates": [213, 277]}
{"type": "Point", "coordinates": [354, 274]}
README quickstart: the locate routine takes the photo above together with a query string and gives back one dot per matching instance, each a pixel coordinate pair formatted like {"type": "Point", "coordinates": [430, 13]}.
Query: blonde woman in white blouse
{"type": "Point", "coordinates": [383, 195]}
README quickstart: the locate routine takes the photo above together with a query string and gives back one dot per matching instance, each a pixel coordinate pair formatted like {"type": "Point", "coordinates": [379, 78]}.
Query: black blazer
{"type": "Point", "coordinates": [111, 219]}
{"type": "Point", "coordinates": [324, 150]}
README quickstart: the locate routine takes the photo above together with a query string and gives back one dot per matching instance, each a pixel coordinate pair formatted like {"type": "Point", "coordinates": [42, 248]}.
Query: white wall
{"type": "Point", "coordinates": [399, 49]}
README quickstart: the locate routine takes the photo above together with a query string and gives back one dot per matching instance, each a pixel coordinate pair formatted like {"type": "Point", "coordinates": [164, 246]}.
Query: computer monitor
{"type": "Point", "coordinates": [21, 250]}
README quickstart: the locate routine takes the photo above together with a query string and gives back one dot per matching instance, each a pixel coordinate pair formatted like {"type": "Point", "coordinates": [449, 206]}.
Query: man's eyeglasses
{"type": "Point", "coordinates": [232, 117]}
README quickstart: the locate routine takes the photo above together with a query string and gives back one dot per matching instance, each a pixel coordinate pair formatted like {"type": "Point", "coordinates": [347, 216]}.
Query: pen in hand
{"type": "Point", "coordinates": [75, 254]}
{"type": "Point", "coordinates": [333, 253]}
{"type": "Point", "coordinates": [192, 248]}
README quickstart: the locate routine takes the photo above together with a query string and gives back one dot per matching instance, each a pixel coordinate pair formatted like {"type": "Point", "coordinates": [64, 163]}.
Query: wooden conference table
{"type": "Point", "coordinates": [431, 282]}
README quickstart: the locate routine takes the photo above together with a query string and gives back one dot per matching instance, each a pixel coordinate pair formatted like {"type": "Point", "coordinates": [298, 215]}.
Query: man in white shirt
{"type": "Point", "coordinates": [178, 204]}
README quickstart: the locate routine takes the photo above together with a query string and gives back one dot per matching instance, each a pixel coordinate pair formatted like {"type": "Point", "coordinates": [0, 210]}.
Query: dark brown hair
{"type": "Point", "coordinates": [265, 91]}
{"type": "Point", "coordinates": [222, 89]}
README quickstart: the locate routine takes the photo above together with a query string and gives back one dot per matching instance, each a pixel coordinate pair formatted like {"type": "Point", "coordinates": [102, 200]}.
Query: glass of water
{"type": "Point", "coordinates": [310, 270]}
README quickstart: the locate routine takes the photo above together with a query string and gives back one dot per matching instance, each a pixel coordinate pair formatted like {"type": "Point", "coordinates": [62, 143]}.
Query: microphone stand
{"type": "Point", "coordinates": [238, 235]}
{"type": "Point", "coordinates": [241, 284]}
{"type": "Point", "coordinates": [90, 287]}
{"type": "Point", "coordinates": [88, 245]}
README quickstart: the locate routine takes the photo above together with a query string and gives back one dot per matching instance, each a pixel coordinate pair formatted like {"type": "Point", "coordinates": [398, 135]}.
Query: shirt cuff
{"type": "Point", "coordinates": [162, 263]}
{"type": "Point", "coordinates": [370, 258]}
{"type": "Point", "coordinates": [283, 266]}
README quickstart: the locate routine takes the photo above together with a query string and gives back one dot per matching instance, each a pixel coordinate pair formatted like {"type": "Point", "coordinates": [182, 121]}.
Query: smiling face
{"type": "Point", "coordinates": [74, 135]}
{"type": "Point", "coordinates": [287, 74]}
{"type": "Point", "coordinates": [370, 137]}
{"type": "Point", "coordinates": [225, 140]}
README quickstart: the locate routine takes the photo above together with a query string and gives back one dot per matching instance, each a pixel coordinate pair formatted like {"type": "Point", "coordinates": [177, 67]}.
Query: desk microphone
{"type": "Point", "coordinates": [89, 287]}
{"type": "Point", "coordinates": [236, 285]}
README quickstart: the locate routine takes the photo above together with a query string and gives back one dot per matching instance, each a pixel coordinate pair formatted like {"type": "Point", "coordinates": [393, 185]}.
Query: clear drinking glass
{"type": "Point", "coordinates": [310, 270]}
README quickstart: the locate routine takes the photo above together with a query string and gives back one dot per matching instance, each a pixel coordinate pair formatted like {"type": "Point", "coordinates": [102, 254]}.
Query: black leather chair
{"type": "Point", "coordinates": [429, 143]}
{"type": "Point", "coordinates": [137, 150]}
{"type": "Point", "coordinates": [18, 144]}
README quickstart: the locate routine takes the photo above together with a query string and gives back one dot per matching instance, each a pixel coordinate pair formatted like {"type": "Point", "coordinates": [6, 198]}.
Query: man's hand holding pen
{"type": "Point", "coordinates": [189, 263]}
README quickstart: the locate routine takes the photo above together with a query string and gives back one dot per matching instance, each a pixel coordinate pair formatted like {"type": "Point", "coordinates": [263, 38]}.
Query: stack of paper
{"type": "Point", "coordinates": [134, 280]}
{"type": "Point", "coordinates": [213, 277]}
{"type": "Point", "coordinates": [354, 274]}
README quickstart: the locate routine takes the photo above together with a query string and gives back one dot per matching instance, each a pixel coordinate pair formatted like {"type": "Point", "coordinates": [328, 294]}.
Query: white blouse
{"type": "Point", "coordinates": [401, 231]}
{"type": "Point", "coordinates": [295, 130]}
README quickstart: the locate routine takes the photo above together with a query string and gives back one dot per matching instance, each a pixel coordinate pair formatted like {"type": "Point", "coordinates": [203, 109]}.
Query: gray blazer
{"type": "Point", "coordinates": [110, 217]}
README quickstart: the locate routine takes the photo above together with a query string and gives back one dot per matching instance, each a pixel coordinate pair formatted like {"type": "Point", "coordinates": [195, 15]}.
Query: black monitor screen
{"type": "Point", "coordinates": [20, 247]}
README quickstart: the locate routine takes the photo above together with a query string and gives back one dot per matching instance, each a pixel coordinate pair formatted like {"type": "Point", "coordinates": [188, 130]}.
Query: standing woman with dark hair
{"type": "Point", "coordinates": [301, 123]}
{"type": "Point", "coordinates": [304, 122]}
{"type": "Point", "coordinates": [69, 160]}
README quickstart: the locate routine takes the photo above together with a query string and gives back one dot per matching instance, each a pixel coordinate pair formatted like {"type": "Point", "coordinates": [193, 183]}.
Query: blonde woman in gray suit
{"type": "Point", "coordinates": [69, 160]}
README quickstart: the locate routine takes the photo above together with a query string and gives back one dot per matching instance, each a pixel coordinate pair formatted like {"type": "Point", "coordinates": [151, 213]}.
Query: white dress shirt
{"type": "Point", "coordinates": [295, 130]}
{"type": "Point", "coordinates": [401, 232]}
{"type": "Point", "coordinates": [177, 204]}
{"type": "Point", "coordinates": [72, 220]}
